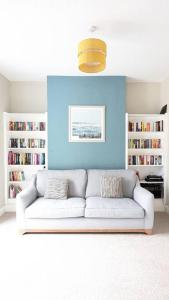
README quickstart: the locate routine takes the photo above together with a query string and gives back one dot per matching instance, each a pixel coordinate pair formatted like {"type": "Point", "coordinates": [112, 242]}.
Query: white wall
{"type": "Point", "coordinates": [28, 96]}
{"type": "Point", "coordinates": [165, 100]}
{"type": "Point", "coordinates": [142, 97]}
{"type": "Point", "coordinates": [4, 106]}
{"type": "Point", "coordinates": [165, 92]}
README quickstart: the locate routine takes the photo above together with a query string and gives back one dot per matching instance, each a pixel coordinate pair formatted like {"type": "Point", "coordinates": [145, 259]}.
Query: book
{"type": "Point", "coordinates": [145, 126]}
{"type": "Point", "coordinates": [144, 143]}
{"type": "Point", "coordinates": [14, 190]}
{"type": "Point", "coordinates": [27, 126]}
{"type": "Point", "coordinates": [15, 158]}
{"type": "Point", "coordinates": [16, 176]}
{"type": "Point", "coordinates": [145, 160]}
{"type": "Point", "coordinates": [26, 143]}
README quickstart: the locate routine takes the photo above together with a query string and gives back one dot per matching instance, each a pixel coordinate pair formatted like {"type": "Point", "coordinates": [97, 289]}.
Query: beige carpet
{"type": "Point", "coordinates": [84, 266]}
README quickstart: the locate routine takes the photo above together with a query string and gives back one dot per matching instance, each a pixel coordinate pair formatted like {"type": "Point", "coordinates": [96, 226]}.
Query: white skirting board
{"type": "Point", "coordinates": [167, 208]}
{"type": "Point", "coordinates": [2, 210]}
{"type": "Point", "coordinates": [159, 205]}
{"type": "Point", "coordinates": [10, 208]}
{"type": "Point", "coordinates": [7, 208]}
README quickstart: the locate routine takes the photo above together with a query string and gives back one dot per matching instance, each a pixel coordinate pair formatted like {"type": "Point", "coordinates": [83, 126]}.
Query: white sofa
{"type": "Point", "coordinates": [85, 210]}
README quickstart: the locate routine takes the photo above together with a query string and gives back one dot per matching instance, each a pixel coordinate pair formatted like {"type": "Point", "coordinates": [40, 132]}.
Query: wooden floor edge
{"type": "Point", "coordinates": [86, 230]}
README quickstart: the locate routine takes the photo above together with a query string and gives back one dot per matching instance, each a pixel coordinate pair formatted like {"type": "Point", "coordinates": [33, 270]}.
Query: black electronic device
{"type": "Point", "coordinates": [164, 109]}
{"type": "Point", "coordinates": [152, 178]}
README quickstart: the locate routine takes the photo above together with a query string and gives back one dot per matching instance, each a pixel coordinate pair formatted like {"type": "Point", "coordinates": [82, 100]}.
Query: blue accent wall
{"type": "Point", "coordinates": [86, 90]}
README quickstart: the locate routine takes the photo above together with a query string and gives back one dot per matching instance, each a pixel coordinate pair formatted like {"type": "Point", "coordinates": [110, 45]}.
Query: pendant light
{"type": "Point", "coordinates": [92, 54]}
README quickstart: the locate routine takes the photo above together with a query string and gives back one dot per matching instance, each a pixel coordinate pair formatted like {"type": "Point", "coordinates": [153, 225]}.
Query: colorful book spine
{"type": "Point", "coordinates": [26, 158]}
{"type": "Point", "coordinates": [27, 126]}
{"type": "Point", "coordinates": [145, 160]}
{"type": "Point", "coordinates": [16, 176]}
{"type": "Point", "coordinates": [145, 126]}
{"type": "Point", "coordinates": [144, 143]}
{"type": "Point", "coordinates": [26, 143]}
{"type": "Point", "coordinates": [14, 190]}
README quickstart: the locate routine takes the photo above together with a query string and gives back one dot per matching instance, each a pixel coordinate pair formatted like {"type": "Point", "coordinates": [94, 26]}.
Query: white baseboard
{"type": "Point", "coordinates": [167, 208]}
{"type": "Point", "coordinates": [158, 205]}
{"type": "Point", "coordinates": [7, 208]}
{"type": "Point", "coordinates": [10, 208]}
{"type": "Point", "coordinates": [2, 210]}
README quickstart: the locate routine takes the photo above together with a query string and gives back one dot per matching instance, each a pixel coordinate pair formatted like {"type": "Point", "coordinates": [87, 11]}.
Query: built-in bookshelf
{"type": "Point", "coordinates": [25, 151]}
{"type": "Point", "coordinates": [146, 146]}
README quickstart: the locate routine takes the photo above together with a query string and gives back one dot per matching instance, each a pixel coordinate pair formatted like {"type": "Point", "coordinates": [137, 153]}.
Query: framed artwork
{"type": "Point", "coordinates": [86, 123]}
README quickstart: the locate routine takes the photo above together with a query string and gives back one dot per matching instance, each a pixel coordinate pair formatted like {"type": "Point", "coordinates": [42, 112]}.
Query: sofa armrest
{"type": "Point", "coordinates": [23, 200]}
{"type": "Point", "coordinates": [27, 196]}
{"type": "Point", "coordinates": [146, 200]}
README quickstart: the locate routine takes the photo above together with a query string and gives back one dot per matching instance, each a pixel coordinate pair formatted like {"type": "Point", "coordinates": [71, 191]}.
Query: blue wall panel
{"type": "Point", "coordinates": [86, 90]}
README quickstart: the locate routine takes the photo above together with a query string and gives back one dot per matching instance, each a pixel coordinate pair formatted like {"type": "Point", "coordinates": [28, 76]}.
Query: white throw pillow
{"type": "Point", "coordinates": [57, 188]}
{"type": "Point", "coordinates": [111, 187]}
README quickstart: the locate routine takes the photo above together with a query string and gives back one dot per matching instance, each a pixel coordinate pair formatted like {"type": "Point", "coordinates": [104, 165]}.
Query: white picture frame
{"type": "Point", "coordinates": [86, 123]}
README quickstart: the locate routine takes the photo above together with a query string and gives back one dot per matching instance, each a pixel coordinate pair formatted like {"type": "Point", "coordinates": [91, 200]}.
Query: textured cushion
{"type": "Point", "coordinates": [111, 187]}
{"type": "Point", "coordinates": [97, 207]}
{"type": "Point", "coordinates": [76, 180]}
{"type": "Point", "coordinates": [128, 181]}
{"type": "Point", "coordinates": [47, 208]}
{"type": "Point", "coordinates": [56, 189]}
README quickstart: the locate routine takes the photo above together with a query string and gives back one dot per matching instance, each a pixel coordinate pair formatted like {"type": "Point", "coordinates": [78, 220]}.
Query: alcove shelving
{"type": "Point", "coordinates": [25, 149]}
{"type": "Point", "coordinates": [146, 147]}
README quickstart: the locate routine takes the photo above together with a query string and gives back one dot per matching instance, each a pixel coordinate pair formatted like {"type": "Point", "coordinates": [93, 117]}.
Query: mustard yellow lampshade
{"type": "Point", "coordinates": [92, 55]}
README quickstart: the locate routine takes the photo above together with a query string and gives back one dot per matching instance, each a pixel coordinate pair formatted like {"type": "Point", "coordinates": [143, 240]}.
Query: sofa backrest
{"type": "Point", "coordinates": [77, 180]}
{"type": "Point", "coordinates": [94, 186]}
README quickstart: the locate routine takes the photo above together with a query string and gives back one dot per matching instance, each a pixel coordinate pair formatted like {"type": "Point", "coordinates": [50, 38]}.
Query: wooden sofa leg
{"type": "Point", "coordinates": [148, 231]}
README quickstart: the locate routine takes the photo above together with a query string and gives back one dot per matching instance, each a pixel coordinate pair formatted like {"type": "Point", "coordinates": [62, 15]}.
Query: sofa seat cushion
{"type": "Point", "coordinates": [50, 208]}
{"type": "Point", "coordinates": [97, 207]}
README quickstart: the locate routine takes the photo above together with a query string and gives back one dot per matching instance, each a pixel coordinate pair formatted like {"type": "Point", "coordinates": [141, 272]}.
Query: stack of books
{"type": "Point", "coordinates": [14, 190]}
{"type": "Point", "coordinates": [145, 160]}
{"type": "Point", "coordinates": [16, 176]}
{"type": "Point", "coordinates": [145, 126]}
{"type": "Point", "coordinates": [26, 143]}
{"type": "Point", "coordinates": [144, 143]}
{"type": "Point", "coordinates": [26, 158]}
{"type": "Point", "coordinates": [27, 126]}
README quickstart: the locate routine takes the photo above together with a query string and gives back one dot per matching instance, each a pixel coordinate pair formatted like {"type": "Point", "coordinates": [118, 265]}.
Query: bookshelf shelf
{"type": "Point", "coordinates": [26, 150]}
{"type": "Point", "coordinates": [22, 131]}
{"type": "Point", "coordinates": [145, 165]}
{"type": "Point", "coordinates": [15, 165]}
{"type": "Point", "coordinates": [148, 145]}
{"type": "Point", "coordinates": [18, 175]}
{"type": "Point", "coordinates": [146, 149]}
{"type": "Point", "coordinates": [146, 133]}
{"type": "Point", "coordinates": [28, 165]}
{"type": "Point", "coordinates": [18, 182]}
{"type": "Point", "coordinates": [150, 182]}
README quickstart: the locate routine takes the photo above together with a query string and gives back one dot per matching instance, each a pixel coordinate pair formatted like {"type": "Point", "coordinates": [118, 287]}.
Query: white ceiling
{"type": "Point", "coordinates": [40, 37]}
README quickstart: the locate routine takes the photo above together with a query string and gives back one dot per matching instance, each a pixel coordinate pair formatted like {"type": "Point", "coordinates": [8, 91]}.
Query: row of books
{"type": "Point", "coordinates": [16, 176]}
{"type": "Point", "coordinates": [145, 126]}
{"type": "Point", "coordinates": [26, 143]}
{"type": "Point", "coordinates": [14, 190]}
{"type": "Point", "coordinates": [145, 160]}
{"type": "Point", "coordinates": [26, 158]}
{"type": "Point", "coordinates": [27, 126]}
{"type": "Point", "coordinates": [144, 143]}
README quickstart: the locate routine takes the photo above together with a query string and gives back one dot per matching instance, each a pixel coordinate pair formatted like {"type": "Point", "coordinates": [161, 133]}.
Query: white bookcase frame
{"type": "Point", "coordinates": [145, 170]}
{"type": "Point", "coordinates": [29, 170]}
